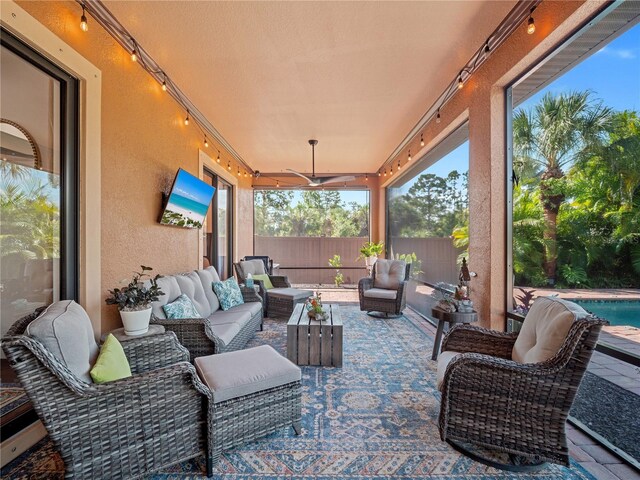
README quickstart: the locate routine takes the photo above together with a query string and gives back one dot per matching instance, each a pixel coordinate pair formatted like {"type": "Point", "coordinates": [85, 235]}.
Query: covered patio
{"type": "Point", "coordinates": [484, 155]}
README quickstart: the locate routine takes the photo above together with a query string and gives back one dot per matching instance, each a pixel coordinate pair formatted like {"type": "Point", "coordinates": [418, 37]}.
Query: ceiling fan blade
{"type": "Point", "coordinates": [300, 175]}
{"type": "Point", "coordinates": [327, 180]}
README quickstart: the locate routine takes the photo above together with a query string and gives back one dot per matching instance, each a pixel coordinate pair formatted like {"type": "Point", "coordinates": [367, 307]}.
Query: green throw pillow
{"type": "Point", "coordinates": [181, 307]}
{"type": "Point", "coordinates": [112, 363]}
{"type": "Point", "coordinates": [228, 292]}
{"type": "Point", "coordinates": [265, 278]}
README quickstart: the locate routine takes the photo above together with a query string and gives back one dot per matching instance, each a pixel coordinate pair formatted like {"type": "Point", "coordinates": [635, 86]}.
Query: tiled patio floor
{"type": "Point", "coordinates": [586, 451]}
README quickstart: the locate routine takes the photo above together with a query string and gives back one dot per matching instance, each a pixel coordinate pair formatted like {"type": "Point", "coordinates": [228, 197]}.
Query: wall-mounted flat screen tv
{"type": "Point", "coordinates": [188, 201]}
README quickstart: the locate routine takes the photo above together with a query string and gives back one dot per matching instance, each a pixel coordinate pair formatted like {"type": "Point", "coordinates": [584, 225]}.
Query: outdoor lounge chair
{"type": "Point", "coordinates": [385, 290]}
{"type": "Point", "coordinates": [117, 429]}
{"type": "Point", "coordinates": [511, 392]}
{"type": "Point", "coordinates": [278, 301]}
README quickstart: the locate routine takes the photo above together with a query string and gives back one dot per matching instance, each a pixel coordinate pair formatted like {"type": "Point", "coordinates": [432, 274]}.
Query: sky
{"type": "Point", "coordinates": [612, 73]}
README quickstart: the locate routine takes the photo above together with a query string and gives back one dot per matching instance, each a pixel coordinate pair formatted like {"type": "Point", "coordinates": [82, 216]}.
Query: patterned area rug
{"type": "Point", "coordinates": [11, 397]}
{"type": "Point", "coordinates": [375, 418]}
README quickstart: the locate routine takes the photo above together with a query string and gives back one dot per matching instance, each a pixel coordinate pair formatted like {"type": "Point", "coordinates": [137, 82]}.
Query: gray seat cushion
{"type": "Point", "coordinates": [226, 331]}
{"type": "Point", "coordinates": [191, 286]}
{"type": "Point", "coordinates": [381, 293]}
{"type": "Point", "coordinates": [65, 330]}
{"type": "Point", "coordinates": [207, 277]}
{"type": "Point", "coordinates": [253, 267]}
{"type": "Point", "coordinates": [171, 290]}
{"type": "Point", "coordinates": [236, 374]}
{"type": "Point", "coordinates": [389, 274]}
{"type": "Point", "coordinates": [253, 308]}
{"type": "Point", "coordinates": [293, 293]}
{"type": "Point", "coordinates": [444, 359]}
{"type": "Point", "coordinates": [222, 317]}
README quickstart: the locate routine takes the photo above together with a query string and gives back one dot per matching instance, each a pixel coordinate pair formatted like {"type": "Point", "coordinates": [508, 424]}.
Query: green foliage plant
{"type": "Point", "coordinates": [135, 296]}
{"type": "Point", "coordinates": [413, 260]}
{"type": "Point", "coordinates": [370, 249]}
{"type": "Point", "coordinates": [336, 262]}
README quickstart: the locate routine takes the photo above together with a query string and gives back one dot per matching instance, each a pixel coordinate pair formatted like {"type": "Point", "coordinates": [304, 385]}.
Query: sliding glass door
{"type": "Point", "coordinates": [38, 182]}
{"type": "Point", "coordinates": [218, 229]}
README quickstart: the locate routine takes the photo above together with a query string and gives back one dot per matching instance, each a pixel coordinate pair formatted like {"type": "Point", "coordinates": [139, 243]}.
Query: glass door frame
{"type": "Point", "coordinates": [217, 181]}
{"type": "Point", "coordinates": [69, 162]}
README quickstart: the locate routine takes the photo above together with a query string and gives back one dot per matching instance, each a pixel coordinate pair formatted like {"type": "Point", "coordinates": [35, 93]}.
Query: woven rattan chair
{"type": "Point", "coordinates": [120, 429]}
{"type": "Point", "coordinates": [279, 301]}
{"type": "Point", "coordinates": [492, 401]}
{"type": "Point", "coordinates": [375, 293]}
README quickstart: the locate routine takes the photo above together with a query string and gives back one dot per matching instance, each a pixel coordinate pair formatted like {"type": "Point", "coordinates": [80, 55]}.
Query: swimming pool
{"type": "Point", "coordinates": [618, 312]}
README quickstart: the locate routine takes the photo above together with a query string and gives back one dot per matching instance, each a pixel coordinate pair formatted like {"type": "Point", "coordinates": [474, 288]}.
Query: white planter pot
{"type": "Point", "coordinates": [369, 261]}
{"type": "Point", "coordinates": [136, 322]}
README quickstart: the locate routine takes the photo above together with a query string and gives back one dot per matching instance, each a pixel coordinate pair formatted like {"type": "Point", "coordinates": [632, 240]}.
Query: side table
{"type": "Point", "coordinates": [452, 318]}
{"type": "Point", "coordinates": [123, 337]}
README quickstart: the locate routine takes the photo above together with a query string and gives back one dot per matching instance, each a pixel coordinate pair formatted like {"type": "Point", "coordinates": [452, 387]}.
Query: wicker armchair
{"type": "Point", "coordinates": [276, 302]}
{"type": "Point", "coordinates": [120, 429]}
{"type": "Point", "coordinates": [374, 298]}
{"type": "Point", "coordinates": [520, 409]}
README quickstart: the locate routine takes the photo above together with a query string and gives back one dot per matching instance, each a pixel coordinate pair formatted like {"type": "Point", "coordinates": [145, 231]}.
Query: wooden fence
{"type": "Point", "coordinates": [306, 259]}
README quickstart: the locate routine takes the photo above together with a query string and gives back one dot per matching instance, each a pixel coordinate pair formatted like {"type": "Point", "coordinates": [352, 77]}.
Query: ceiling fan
{"type": "Point", "coordinates": [319, 181]}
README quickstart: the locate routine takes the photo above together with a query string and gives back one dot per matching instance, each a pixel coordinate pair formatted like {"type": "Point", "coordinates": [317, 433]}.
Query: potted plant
{"type": "Point", "coordinates": [134, 301]}
{"type": "Point", "coordinates": [336, 262]}
{"type": "Point", "coordinates": [314, 307]}
{"type": "Point", "coordinates": [370, 251]}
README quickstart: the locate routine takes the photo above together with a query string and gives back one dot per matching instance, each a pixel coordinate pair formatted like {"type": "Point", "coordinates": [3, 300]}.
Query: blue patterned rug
{"type": "Point", "coordinates": [375, 418]}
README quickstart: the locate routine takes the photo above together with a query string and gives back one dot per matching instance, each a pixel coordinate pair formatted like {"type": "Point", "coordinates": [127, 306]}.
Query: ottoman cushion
{"type": "Point", "coordinates": [293, 293]}
{"type": "Point", "coordinates": [236, 374]}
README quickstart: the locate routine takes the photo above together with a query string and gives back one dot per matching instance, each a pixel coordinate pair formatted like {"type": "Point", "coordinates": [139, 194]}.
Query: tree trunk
{"type": "Point", "coordinates": [551, 197]}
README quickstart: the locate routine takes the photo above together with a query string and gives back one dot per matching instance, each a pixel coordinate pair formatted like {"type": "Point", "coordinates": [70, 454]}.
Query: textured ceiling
{"type": "Point", "coordinates": [271, 75]}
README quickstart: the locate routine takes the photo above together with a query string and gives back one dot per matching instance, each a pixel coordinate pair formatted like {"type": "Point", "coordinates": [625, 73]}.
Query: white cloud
{"type": "Point", "coordinates": [621, 53]}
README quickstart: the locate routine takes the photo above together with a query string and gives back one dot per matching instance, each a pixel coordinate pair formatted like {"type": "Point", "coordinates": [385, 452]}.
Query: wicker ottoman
{"type": "Point", "coordinates": [255, 392]}
{"type": "Point", "coordinates": [282, 301]}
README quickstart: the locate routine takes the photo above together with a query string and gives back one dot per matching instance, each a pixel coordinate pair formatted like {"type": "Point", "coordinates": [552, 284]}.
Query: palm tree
{"type": "Point", "coordinates": [552, 135]}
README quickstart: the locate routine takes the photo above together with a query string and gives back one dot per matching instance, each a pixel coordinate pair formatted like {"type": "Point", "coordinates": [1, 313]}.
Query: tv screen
{"type": "Point", "coordinates": [188, 201]}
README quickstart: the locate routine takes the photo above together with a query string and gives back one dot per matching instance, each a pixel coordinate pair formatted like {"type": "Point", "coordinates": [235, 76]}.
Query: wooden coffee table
{"type": "Point", "coordinates": [310, 342]}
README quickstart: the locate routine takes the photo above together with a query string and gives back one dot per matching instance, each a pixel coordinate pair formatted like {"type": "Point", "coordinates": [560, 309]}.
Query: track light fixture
{"type": "Point", "coordinates": [206, 143]}
{"type": "Point", "coordinates": [164, 83]}
{"type": "Point", "coordinates": [239, 174]}
{"type": "Point", "coordinates": [218, 159]}
{"type": "Point", "coordinates": [487, 49]}
{"type": "Point", "coordinates": [366, 177]}
{"type": "Point", "coordinates": [409, 156]}
{"type": "Point", "coordinates": [134, 51]}
{"type": "Point", "coordinates": [186, 120]}
{"type": "Point", "coordinates": [399, 166]}
{"type": "Point", "coordinates": [84, 26]}
{"type": "Point", "coordinates": [460, 82]}
{"type": "Point", "coordinates": [438, 116]}
{"type": "Point", "coordinates": [531, 24]}
{"type": "Point", "coordinates": [391, 170]}
{"type": "Point", "coordinates": [278, 183]}
{"type": "Point", "coordinates": [228, 165]}
{"type": "Point", "coordinates": [379, 174]}
{"type": "Point", "coordinates": [385, 172]}
{"type": "Point", "coordinates": [421, 140]}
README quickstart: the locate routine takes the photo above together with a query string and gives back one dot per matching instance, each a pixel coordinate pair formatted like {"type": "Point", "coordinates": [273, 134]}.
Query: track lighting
{"type": "Point", "coordinates": [228, 165]}
{"type": "Point", "coordinates": [239, 174]}
{"type": "Point", "coordinates": [218, 159]}
{"type": "Point", "coordinates": [366, 177]}
{"type": "Point", "coordinates": [460, 82]}
{"type": "Point", "coordinates": [206, 143]}
{"type": "Point", "coordinates": [278, 183]}
{"type": "Point", "coordinates": [391, 170]}
{"type": "Point", "coordinates": [84, 26]}
{"type": "Point", "coordinates": [531, 24]}
{"type": "Point", "coordinates": [409, 156]}
{"type": "Point", "coordinates": [399, 166]}
{"type": "Point", "coordinates": [385, 172]}
{"type": "Point", "coordinates": [246, 174]}
{"type": "Point", "coordinates": [164, 84]}
{"type": "Point", "coordinates": [134, 52]}
{"type": "Point", "coordinates": [421, 140]}
{"type": "Point", "coordinates": [379, 174]}
{"type": "Point", "coordinates": [487, 49]}
{"type": "Point", "coordinates": [438, 116]}
{"type": "Point", "coordinates": [186, 120]}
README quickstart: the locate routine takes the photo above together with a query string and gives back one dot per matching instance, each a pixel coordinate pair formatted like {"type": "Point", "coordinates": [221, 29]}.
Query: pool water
{"type": "Point", "coordinates": [617, 312]}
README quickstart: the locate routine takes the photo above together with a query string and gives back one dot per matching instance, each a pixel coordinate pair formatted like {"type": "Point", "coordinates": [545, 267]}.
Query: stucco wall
{"type": "Point", "coordinates": [482, 103]}
{"type": "Point", "coordinates": [143, 143]}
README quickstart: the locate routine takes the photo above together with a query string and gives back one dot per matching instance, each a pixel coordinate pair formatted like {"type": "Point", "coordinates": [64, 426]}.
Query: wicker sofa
{"type": "Point", "coordinates": [116, 429]}
{"type": "Point", "coordinates": [512, 392]}
{"type": "Point", "coordinates": [215, 331]}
